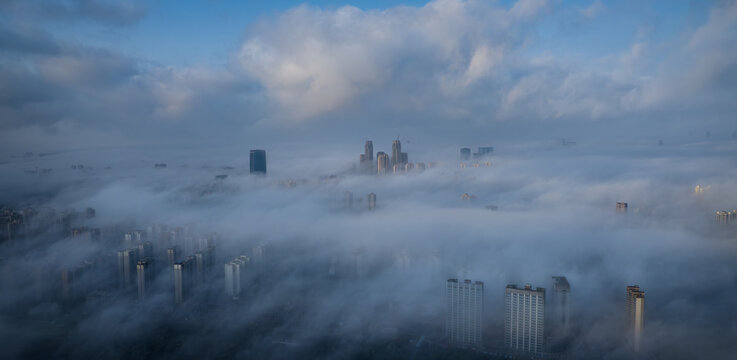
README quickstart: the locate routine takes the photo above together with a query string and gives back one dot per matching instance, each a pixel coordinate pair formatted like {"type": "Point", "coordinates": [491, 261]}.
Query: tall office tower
{"type": "Point", "coordinates": [371, 201]}
{"type": "Point", "coordinates": [183, 281]}
{"type": "Point", "coordinates": [257, 258]}
{"type": "Point", "coordinates": [396, 152]}
{"type": "Point", "coordinates": [382, 162]}
{"type": "Point", "coordinates": [172, 255]}
{"type": "Point", "coordinates": [524, 318]}
{"type": "Point", "coordinates": [363, 164]}
{"type": "Point", "coordinates": [127, 260]}
{"type": "Point", "coordinates": [635, 314]}
{"type": "Point", "coordinates": [560, 305]}
{"type": "Point", "coordinates": [145, 272]}
{"type": "Point", "coordinates": [465, 154]}
{"type": "Point", "coordinates": [200, 264]}
{"type": "Point", "coordinates": [403, 158]}
{"type": "Point", "coordinates": [348, 200]}
{"type": "Point", "coordinates": [369, 150]}
{"type": "Point", "coordinates": [621, 207]}
{"type": "Point", "coordinates": [722, 217]}
{"type": "Point", "coordinates": [233, 273]}
{"type": "Point", "coordinates": [145, 249]}
{"type": "Point", "coordinates": [258, 162]}
{"type": "Point", "coordinates": [464, 312]}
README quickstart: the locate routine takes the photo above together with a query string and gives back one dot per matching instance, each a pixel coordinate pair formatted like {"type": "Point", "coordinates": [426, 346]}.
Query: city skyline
{"type": "Point", "coordinates": [394, 179]}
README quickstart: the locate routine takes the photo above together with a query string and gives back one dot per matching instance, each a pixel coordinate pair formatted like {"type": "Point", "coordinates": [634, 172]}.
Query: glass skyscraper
{"type": "Point", "coordinates": [258, 161]}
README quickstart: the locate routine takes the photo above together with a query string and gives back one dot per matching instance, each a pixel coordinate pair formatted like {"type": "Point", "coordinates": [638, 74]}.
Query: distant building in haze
{"type": "Point", "coordinates": [371, 201]}
{"type": "Point", "coordinates": [560, 305]}
{"type": "Point", "coordinates": [234, 272]}
{"type": "Point", "coordinates": [127, 260]}
{"type": "Point", "coordinates": [183, 279]}
{"type": "Point", "coordinates": [464, 312]}
{"type": "Point", "coordinates": [465, 154]}
{"type": "Point", "coordinates": [524, 319]}
{"type": "Point", "coordinates": [396, 152]}
{"type": "Point", "coordinates": [382, 162]}
{"type": "Point", "coordinates": [368, 150]}
{"type": "Point", "coordinates": [145, 272]}
{"type": "Point", "coordinates": [621, 207]}
{"type": "Point", "coordinates": [258, 162]}
{"type": "Point", "coordinates": [367, 158]}
{"type": "Point", "coordinates": [483, 151]}
{"type": "Point", "coordinates": [635, 307]}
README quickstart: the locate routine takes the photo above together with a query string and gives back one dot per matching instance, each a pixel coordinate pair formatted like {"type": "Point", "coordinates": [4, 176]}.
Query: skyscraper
{"type": "Point", "coordinates": [465, 154]}
{"type": "Point", "coordinates": [367, 158]}
{"type": "Point", "coordinates": [524, 318]}
{"type": "Point", "coordinates": [371, 201]}
{"type": "Point", "coordinates": [396, 152]}
{"type": "Point", "coordinates": [145, 272]}
{"type": "Point", "coordinates": [257, 258]}
{"type": "Point", "coordinates": [127, 260]}
{"type": "Point", "coordinates": [635, 315]}
{"type": "Point", "coordinates": [233, 274]}
{"type": "Point", "coordinates": [382, 161]}
{"type": "Point", "coordinates": [258, 162]}
{"type": "Point", "coordinates": [561, 312]}
{"type": "Point", "coordinates": [464, 312]}
{"type": "Point", "coordinates": [183, 281]}
{"type": "Point", "coordinates": [369, 150]}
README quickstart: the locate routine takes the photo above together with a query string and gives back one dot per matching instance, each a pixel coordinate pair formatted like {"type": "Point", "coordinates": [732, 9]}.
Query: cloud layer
{"type": "Point", "coordinates": [427, 69]}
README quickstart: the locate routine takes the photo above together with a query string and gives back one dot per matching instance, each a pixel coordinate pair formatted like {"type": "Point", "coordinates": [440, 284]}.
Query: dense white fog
{"type": "Point", "coordinates": [538, 210]}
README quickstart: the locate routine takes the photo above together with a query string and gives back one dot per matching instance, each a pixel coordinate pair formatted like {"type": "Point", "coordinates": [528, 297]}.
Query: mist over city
{"type": "Point", "coordinates": [450, 179]}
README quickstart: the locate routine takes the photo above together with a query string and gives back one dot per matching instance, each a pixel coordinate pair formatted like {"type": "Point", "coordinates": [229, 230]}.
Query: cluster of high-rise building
{"type": "Point", "coordinates": [18, 224]}
{"type": "Point", "coordinates": [482, 152]}
{"type": "Point", "coordinates": [349, 201]}
{"type": "Point", "coordinates": [397, 162]}
{"type": "Point", "coordinates": [190, 272]}
{"type": "Point", "coordinates": [726, 217]}
{"type": "Point", "coordinates": [528, 319]}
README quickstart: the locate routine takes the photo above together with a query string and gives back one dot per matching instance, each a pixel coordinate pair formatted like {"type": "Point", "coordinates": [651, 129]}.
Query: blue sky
{"type": "Point", "coordinates": [205, 32]}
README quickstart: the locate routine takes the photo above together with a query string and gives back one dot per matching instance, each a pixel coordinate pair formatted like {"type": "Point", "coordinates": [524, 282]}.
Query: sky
{"type": "Point", "coordinates": [93, 73]}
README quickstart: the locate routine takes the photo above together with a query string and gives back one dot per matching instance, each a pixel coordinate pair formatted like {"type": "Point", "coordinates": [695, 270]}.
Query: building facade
{"type": "Point", "coordinates": [635, 311]}
{"type": "Point", "coordinates": [524, 319]}
{"type": "Point", "coordinates": [258, 162]}
{"type": "Point", "coordinates": [464, 312]}
{"type": "Point", "coordinates": [560, 306]}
